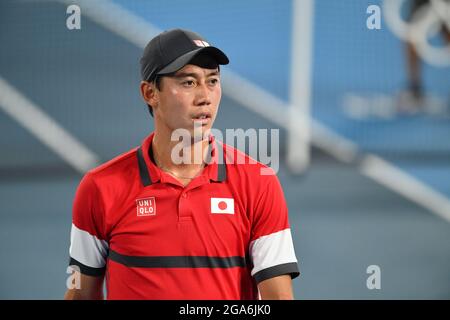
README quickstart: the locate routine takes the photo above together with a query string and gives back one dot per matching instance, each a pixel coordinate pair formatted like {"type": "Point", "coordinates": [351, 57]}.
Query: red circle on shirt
{"type": "Point", "coordinates": [222, 205]}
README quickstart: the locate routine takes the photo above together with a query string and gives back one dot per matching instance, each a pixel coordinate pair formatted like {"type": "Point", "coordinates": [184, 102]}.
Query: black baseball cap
{"type": "Point", "coordinates": [171, 50]}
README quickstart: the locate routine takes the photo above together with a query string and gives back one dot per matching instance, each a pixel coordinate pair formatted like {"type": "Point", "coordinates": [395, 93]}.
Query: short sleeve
{"type": "Point", "coordinates": [88, 245]}
{"type": "Point", "coordinates": [271, 247]}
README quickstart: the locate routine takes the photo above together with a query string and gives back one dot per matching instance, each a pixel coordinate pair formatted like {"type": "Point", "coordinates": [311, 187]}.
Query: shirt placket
{"type": "Point", "coordinates": [185, 203]}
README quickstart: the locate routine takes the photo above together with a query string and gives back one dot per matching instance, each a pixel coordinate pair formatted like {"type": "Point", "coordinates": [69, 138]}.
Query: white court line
{"type": "Point", "coordinates": [397, 180]}
{"type": "Point", "coordinates": [138, 31]}
{"type": "Point", "coordinates": [43, 127]}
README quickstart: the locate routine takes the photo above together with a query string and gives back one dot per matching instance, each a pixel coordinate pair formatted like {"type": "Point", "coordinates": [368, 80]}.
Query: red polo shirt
{"type": "Point", "coordinates": [216, 238]}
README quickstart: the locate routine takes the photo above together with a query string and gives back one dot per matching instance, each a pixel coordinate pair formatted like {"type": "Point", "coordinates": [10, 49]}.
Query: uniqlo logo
{"type": "Point", "coordinates": [146, 207]}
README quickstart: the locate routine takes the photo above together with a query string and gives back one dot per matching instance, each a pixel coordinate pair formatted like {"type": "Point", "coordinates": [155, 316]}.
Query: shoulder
{"type": "Point", "coordinates": [246, 167]}
{"type": "Point", "coordinates": [114, 170]}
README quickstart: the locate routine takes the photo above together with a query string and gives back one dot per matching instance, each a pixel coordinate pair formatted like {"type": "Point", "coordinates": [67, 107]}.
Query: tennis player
{"type": "Point", "coordinates": [153, 227]}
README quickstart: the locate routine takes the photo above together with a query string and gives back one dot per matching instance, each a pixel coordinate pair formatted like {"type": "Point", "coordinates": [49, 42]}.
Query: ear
{"type": "Point", "coordinates": [149, 93]}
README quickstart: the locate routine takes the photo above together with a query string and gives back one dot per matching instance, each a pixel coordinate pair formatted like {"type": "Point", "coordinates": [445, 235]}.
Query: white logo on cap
{"type": "Point", "coordinates": [201, 43]}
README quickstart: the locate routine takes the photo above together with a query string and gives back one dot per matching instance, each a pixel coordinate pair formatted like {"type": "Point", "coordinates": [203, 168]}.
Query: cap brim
{"type": "Point", "coordinates": [183, 60]}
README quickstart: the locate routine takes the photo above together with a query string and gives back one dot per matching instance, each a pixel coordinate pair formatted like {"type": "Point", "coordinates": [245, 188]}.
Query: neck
{"type": "Point", "coordinates": [191, 154]}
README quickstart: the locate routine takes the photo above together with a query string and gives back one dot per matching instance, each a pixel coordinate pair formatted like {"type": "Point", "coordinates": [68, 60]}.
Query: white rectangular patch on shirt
{"type": "Point", "coordinates": [146, 207]}
{"type": "Point", "coordinates": [222, 205]}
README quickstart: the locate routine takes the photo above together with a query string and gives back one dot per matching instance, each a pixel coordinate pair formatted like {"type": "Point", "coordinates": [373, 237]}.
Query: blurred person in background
{"type": "Point", "coordinates": [413, 97]}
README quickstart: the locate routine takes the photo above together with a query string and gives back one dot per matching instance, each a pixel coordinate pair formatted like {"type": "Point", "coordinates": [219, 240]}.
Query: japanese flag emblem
{"type": "Point", "coordinates": [201, 43]}
{"type": "Point", "coordinates": [222, 205]}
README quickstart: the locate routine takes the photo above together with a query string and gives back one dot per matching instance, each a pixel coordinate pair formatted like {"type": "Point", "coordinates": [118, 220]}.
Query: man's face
{"type": "Point", "coordinates": [191, 96]}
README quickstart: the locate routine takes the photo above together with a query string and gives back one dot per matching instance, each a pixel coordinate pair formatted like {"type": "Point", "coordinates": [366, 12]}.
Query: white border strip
{"type": "Point", "coordinates": [271, 250]}
{"type": "Point", "coordinates": [47, 130]}
{"type": "Point", "coordinates": [138, 31]}
{"type": "Point", "coordinates": [87, 248]}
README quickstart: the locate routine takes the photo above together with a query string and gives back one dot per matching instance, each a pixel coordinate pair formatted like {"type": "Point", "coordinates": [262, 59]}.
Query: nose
{"type": "Point", "coordinates": [202, 96]}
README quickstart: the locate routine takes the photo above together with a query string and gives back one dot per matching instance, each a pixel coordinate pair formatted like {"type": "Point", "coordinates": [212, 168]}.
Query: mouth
{"type": "Point", "coordinates": [202, 118]}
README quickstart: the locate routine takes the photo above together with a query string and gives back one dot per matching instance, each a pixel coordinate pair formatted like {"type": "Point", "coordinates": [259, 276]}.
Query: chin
{"type": "Point", "coordinates": [188, 133]}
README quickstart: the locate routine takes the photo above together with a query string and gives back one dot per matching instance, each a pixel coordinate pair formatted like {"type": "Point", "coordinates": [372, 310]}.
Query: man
{"type": "Point", "coordinates": [159, 228]}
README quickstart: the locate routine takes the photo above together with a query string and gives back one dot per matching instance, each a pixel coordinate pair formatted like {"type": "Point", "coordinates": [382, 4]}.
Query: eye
{"type": "Point", "coordinates": [188, 83]}
{"type": "Point", "coordinates": [214, 81]}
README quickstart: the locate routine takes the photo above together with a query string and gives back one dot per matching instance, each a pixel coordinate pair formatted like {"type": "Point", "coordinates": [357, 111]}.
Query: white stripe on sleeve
{"type": "Point", "coordinates": [272, 250]}
{"type": "Point", "coordinates": [87, 249]}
